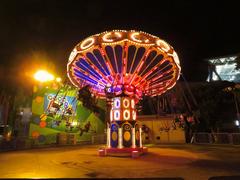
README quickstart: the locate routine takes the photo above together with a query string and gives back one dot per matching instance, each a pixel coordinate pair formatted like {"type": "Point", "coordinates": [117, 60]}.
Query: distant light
{"type": "Point", "coordinates": [74, 123]}
{"type": "Point", "coordinates": [237, 122]}
{"type": "Point", "coordinates": [109, 90]}
{"type": "Point", "coordinates": [58, 79]}
{"type": "Point", "coordinates": [43, 76]}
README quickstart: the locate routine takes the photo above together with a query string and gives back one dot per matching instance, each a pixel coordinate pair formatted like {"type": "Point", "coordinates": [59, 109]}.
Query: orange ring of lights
{"type": "Point", "coordinates": [87, 43]}
{"type": "Point", "coordinates": [126, 117]}
{"type": "Point", "coordinates": [126, 103]}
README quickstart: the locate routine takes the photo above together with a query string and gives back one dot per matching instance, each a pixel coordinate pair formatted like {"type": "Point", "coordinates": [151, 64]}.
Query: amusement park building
{"type": "Point", "coordinates": [223, 68]}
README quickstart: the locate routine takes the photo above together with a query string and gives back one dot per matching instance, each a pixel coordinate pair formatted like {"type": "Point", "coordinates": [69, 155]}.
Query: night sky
{"type": "Point", "coordinates": [44, 31]}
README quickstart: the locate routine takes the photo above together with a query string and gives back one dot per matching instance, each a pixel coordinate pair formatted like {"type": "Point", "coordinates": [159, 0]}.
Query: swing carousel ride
{"type": "Point", "coordinates": [122, 66]}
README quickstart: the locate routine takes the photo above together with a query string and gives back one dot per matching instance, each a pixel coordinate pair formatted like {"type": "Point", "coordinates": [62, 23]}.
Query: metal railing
{"type": "Point", "coordinates": [216, 138]}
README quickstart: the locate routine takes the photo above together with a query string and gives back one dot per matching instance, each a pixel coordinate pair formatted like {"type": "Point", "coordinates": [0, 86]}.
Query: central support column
{"type": "Point", "coordinates": [140, 138]}
{"type": "Point", "coordinates": [108, 137]}
{"type": "Point", "coordinates": [133, 138]}
{"type": "Point", "coordinates": [124, 132]}
{"type": "Point", "coordinates": [120, 145]}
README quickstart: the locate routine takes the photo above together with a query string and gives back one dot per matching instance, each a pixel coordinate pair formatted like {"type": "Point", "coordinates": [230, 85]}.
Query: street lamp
{"type": "Point", "coordinates": [43, 76]}
{"type": "Point", "coordinates": [237, 123]}
{"type": "Point", "coordinates": [58, 79]}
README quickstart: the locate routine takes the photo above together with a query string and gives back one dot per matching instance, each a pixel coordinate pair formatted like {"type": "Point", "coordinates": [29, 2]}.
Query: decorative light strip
{"type": "Point", "coordinates": [134, 115]}
{"type": "Point", "coordinates": [87, 75]}
{"type": "Point", "coordinates": [133, 138]}
{"type": "Point", "coordinates": [160, 76]}
{"type": "Point", "coordinates": [120, 144]}
{"type": "Point", "coordinates": [111, 115]}
{"type": "Point", "coordinates": [148, 65]}
{"type": "Point", "coordinates": [132, 103]}
{"type": "Point", "coordinates": [108, 137]}
{"type": "Point", "coordinates": [142, 60]}
{"type": "Point", "coordinates": [149, 73]}
{"type": "Point", "coordinates": [157, 72]}
{"type": "Point", "coordinates": [95, 68]}
{"type": "Point", "coordinates": [162, 79]}
{"type": "Point", "coordinates": [99, 62]}
{"type": "Point", "coordinates": [133, 36]}
{"type": "Point", "coordinates": [73, 55]}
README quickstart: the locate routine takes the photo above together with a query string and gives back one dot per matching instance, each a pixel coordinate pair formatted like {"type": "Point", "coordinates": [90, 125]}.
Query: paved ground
{"type": "Point", "coordinates": [186, 161]}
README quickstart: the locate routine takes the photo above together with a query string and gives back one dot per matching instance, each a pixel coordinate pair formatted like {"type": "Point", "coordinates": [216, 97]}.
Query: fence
{"type": "Point", "coordinates": [216, 138]}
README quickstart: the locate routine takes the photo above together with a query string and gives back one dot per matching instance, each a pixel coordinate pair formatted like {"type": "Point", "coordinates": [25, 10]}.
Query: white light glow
{"type": "Point", "coordinates": [176, 59]}
{"type": "Point", "coordinates": [163, 45]}
{"type": "Point", "coordinates": [73, 54]}
{"type": "Point", "coordinates": [43, 76]}
{"type": "Point", "coordinates": [58, 79]}
{"type": "Point", "coordinates": [74, 123]}
{"type": "Point", "coordinates": [237, 122]}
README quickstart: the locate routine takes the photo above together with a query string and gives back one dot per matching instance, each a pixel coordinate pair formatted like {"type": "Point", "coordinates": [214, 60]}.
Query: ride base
{"type": "Point", "coordinates": [123, 131]}
{"type": "Point", "coordinates": [123, 152]}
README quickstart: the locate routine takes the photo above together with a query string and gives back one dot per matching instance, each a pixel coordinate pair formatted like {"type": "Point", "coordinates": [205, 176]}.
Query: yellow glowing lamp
{"type": "Point", "coordinates": [58, 79]}
{"type": "Point", "coordinates": [74, 123]}
{"type": "Point", "coordinates": [43, 76]}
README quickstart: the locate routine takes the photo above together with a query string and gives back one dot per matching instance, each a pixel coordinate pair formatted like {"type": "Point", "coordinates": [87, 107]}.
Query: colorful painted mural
{"type": "Point", "coordinates": [55, 110]}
